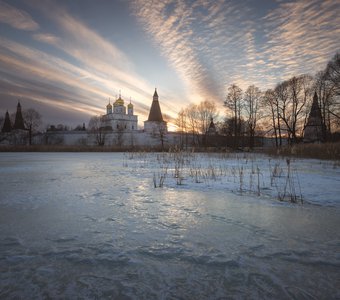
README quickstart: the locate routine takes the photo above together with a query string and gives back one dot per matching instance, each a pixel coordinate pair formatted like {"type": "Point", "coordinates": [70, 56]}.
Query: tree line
{"type": "Point", "coordinates": [281, 113]}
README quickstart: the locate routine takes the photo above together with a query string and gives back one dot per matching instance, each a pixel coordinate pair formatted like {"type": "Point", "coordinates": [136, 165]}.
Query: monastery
{"type": "Point", "coordinates": [118, 126]}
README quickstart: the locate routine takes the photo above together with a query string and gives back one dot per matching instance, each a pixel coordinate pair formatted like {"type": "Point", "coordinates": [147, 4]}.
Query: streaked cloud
{"type": "Point", "coordinates": [92, 51]}
{"type": "Point", "coordinates": [212, 44]}
{"type": "Point", "coordinates": [200, 39]}
{"type": "Point", "coordinates": [171, 24]}
{"type": "Point", "coordinates": [67, 62]}
{"type": "Point", "coordinates": [47, 38]}
{"type": "Point", "coordinates": [301, 36]}
{"type": "Point", "coordinates": [107, 65]}
{"type": "Point", "coordinates": [99, 69]}
{"type": "Point", "coordinates": [16, 18]}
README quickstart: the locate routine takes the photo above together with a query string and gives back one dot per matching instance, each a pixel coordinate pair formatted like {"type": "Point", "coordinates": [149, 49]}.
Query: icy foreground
{"type": "Point", "coordinates": [161, 226]}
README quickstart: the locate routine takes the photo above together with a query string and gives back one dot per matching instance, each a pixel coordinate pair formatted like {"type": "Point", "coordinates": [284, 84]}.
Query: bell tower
{"type": "Point", "coordinates": [19, 120]}
{"type": "Point", "coordinates": [155, 122]}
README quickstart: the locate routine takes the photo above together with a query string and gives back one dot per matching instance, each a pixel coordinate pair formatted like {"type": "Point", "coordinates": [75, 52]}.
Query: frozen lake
{"type": "Point", "coordinates": [92, 225]}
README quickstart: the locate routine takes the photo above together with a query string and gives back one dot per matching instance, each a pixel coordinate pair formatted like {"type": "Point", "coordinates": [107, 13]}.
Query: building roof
{"type": "Point", "coordinates": [155, 113]}
{"type": "Point", "coordinates": [109, 105]}
{"type": "Point", "coordinates": [155, 93]}
{"type": "Point", "coordinates": [119, 102]}
{"type": "Point", "coordinates": [314, 128]}
{"type": "Point", "coordinates": [19, 120]}
{"type": "Point", "coordinates": [7, 124]}
{"type": "Point", "coordinates": [212, 127]}
{"type": "Point", "coordinates": [315, 111]}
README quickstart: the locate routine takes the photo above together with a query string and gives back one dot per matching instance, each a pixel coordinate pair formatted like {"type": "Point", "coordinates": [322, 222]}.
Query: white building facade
{"type": "Point", "coordinates": [118, 119]}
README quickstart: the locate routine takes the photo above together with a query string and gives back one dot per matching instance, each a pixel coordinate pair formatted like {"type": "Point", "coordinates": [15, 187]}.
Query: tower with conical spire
{"type": "Point", "coordinates": [19, 120]}
{"type": "Point", "coordinates": [155, 114]}
{"type": "Point", "coordinates": [314, 128]}
{"type": "Point", "coordinates": [212, 128]}
{"type": "Point", "coordinates": [7, 127]}
{"type": "Point", "coordinates": [155, 122]}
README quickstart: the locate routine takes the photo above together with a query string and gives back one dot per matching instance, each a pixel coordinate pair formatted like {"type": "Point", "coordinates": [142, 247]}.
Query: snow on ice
{"type": "Point", "coordinates": [168, 226]}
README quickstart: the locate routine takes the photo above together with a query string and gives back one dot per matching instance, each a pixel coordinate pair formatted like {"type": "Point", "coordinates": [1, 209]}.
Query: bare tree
{"type": "Point", "coordinates": [271, 111]}
{"type": "Point", "coordinates": [325, 93]}
{"type": "Point", "coordinates": [32, 121]}
{"type": "Point", "coordinates": [293, 97]}
{"type": "Point", "coordinates": [301, 96]}
{"type": "Point", "coordinates": [332, 73]}
{"type": "Point", "coordinates": [328, 90]}
{"type": "Point", "coordinates": [162, 132]}
{"type": "Point", "coordinates": [181, 123]}
{"type": "Point", "coordinates": [207, 111]}
{"type": "Point", "coordinates": [193, 124]}
{"type": "Point", "coordinates": [252, 100]}
{"type": "Point", "coordinates": [195, 119]}
{"type": "Point", "coordinates": [282, 102]}
{"type": "Point", "coordinates": [97, 128]}
{"type": "Point", "coordinates": [234, 103]}
{"type": "Point", "coordinates": [228, 126]}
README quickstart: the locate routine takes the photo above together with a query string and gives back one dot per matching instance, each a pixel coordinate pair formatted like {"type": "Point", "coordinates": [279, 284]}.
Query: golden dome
{"type": "Point", "coordinates": [109, 105]}
{"type": "Point", "coordinates": [130, 105]}
{"type": "Point", "coordinates": [119, 101]}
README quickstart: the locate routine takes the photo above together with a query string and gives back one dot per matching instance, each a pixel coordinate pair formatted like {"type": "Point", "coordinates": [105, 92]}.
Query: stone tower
{"type": "Point", "coordinates": [155, 114]}
{"type": "Point", "coordinates": [7, 127]}
{"type": "Point", "coordinates": [314, 128]}
{"type": "Point", "coordinates": [212, 128]}
{"type": "Point", "coordinates": [19, 120]}
{"type": "Point", "coordinates": [155, 122]}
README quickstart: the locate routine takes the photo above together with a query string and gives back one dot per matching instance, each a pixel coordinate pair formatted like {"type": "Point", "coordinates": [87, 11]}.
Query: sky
{"type": "Point", "coordinates": [68, 59]}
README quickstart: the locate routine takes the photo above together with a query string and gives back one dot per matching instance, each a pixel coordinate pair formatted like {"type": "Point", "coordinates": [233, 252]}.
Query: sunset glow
{"type": "Point", "coordinates": [66, 59]}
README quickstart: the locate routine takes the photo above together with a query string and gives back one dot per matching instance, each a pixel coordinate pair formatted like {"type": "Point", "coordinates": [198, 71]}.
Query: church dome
{"type": "Point", "coordinates": [119, 102]}
{"type": "Point", "coordinates": [130, 105]}
{"type": "Point", "coordinates": [109, 105]}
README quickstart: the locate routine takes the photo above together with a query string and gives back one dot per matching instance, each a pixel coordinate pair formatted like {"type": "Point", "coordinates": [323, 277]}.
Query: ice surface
{"type": "Point", "coordinates": [92, 225]}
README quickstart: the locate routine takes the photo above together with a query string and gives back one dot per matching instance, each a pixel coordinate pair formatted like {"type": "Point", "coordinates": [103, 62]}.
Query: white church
{"type": "Point", "coordinates": [118, 119]}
